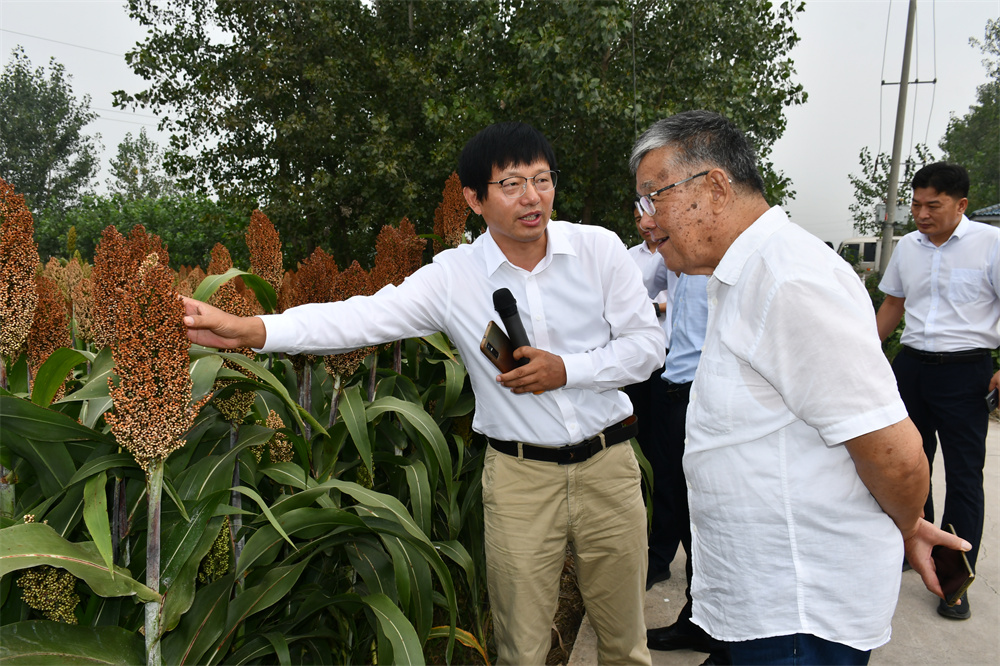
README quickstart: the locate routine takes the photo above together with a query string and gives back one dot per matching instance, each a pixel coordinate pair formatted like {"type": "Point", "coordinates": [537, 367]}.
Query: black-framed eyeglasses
{"type": "Point", "coordinates": [516, 186]}
{"type": "Point", "coordinates": [645, 205]}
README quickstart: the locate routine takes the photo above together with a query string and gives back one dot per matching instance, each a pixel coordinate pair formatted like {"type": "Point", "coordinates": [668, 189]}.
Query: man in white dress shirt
{"type": "Point", "coordinates": [559, 468]}
{"type": "Point", "coordinates": [946, 276]}
{"type": "Point", "coordinates": [806, 478]}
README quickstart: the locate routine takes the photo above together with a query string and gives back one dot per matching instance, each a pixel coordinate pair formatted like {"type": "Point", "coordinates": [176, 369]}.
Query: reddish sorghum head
{"type": "Point", "coordinates": [152, 400]}
{"type": "Point", "coordinates": [354, 281]}
{"type": "Point", "coordinates": [398, 253]}
{"type": "Point", "coordinates": [450, 216]}
{"type": "Point", "coordinates": [49, 326]}
{"type": "Point", "coordinates": [18, 260]}
{"type": "Point", "coordinates": [265, 249]}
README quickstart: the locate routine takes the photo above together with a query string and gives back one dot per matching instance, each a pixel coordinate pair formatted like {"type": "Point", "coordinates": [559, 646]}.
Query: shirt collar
{"type": "Point", "coordinates": [960, 230]}
{"type": "Point", "coordinates": [557, 243]}
{"type": "Point", "coordinates": [747, 243]}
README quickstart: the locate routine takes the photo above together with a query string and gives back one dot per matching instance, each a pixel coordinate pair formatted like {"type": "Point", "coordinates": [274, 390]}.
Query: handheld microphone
{"type": "Point", "coordinates": [506, 306]}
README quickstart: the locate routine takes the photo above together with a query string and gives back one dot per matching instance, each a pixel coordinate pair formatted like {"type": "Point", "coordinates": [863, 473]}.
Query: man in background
{"type": "Point", "coordinates": [806, 479]}
{"type": "Point", "coordinates": [946, 277]}
{"type": "Point", "coordinates": [648, 399]}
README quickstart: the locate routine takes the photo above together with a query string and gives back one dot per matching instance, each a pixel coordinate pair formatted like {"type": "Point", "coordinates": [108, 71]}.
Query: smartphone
{"type": "Point", "coordinates": [993, 399]}
{"type": "Point", "coordinates": [953, 571]}
{"type": "Point", "coordinates": [497, 347]}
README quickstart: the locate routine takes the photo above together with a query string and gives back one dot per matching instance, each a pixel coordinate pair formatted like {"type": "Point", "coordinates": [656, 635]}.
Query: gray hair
{"type": "Point", "coordinates": [703, 138]}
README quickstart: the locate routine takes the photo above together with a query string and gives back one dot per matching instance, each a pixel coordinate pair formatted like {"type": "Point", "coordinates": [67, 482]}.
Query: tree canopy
{"type": "Point", "coordinates": [338, 117]}
{"type": "Point", "coordinates": [43, 151]}
{"type": "Point", "coordinates": [872, 186]}
{"type": "Point", "coordinates": [137, 170]}
{"type": "Point", "coordinates": [974, 139]}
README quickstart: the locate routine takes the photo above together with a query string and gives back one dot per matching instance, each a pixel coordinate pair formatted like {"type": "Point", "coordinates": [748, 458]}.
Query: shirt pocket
{"type": "Point", "coordinates": [965, 285]}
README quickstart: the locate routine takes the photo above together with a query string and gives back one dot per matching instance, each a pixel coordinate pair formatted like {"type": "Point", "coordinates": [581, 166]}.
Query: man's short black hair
{"type": "Point", "coordinates": [945, 178]}
{"type": "Point", "coordinates": [501, 145]}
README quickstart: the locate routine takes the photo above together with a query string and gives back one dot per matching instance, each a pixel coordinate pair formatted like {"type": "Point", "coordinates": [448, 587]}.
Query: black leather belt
{"type": "Point", "coordinates": [678, 392]}
{"type": "Point", "coordinates": [939, 358]}
{"type": "Point", "coordinates": [573, 453]}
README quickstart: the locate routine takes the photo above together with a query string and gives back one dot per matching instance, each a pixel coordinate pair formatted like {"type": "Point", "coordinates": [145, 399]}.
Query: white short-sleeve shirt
{"type": "Point", "coordinates": [786, 537]}
{"type": "Point", "coordinates": [952, 292]}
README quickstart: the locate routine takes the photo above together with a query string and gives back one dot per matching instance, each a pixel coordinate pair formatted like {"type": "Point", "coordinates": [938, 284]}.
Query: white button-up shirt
{"type": "Point", "coordinates": [786, 537]}
{"type": "Point", "coordinates": [584, 301]}
{"type": "Point", "coordinates": [952, 292]}
{"type": "Point", "coordinates": [649, 262]}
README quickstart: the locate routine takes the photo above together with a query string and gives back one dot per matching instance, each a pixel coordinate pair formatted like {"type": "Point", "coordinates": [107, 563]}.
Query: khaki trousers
{"type": "Point", "coordinates": [532, 509]}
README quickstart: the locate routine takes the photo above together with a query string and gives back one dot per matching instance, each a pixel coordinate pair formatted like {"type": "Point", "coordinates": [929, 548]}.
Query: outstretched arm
{"type": "Point", "coordinates": [211, 327]}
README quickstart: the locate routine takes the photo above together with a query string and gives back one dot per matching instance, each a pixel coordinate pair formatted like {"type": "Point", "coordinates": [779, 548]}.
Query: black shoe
{"type": "Point", "coordinates": [681, 635]}
{"type": "Point", "coordinates": [658, 576]}
{"type": "Point", "coordinates": [960, 611]}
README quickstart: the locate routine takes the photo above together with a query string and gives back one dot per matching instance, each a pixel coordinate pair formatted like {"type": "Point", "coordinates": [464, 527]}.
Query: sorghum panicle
{"type": "Point", "coordinates": [18, 259]}
{"type": "Point", "coordinates": [265, 249]}
{"type": "Point", "coordinates": [280, 449]}
{"type": "Point", "coordinates": [50, 325]}
{"type": "Point", "coordinates": [152, 402]}
{"type": "Point", "coordinates": [450, 216]}
{"type": "Point", "coordinates": [220, 261]}
{"type": "Point", "coordinates": [398, 253]}
{"type": "Point", "coordinates": [354, 281]}
{"type": "Point", "coordinates": [237, 404]}
{"type": "Point", "coordinates": [50, 591]}
{"type": "Point", "coordinates": [216, 562]}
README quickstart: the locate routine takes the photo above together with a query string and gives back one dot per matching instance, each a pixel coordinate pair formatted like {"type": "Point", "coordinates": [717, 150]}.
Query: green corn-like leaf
{"type": "Point", "coordinates": [437, 452]}
{"type": "Point", "coordinates": [27, 421]}
{"type": "Point", "coordinates": [276, 583]}
{"type": "Point", "coordinates": [181, 593]}
{"type": "Point", "coordinates": [264, 291]}
{"type": "Point", "coordinates": [408, 561]}
{"type": "Point", "coordinates": [352, 411]}
{"type": "Point", "coordinates": [44, 643]}
{"type": "Point", "coordinates": [102, 464]}
{"type": "Point", "coordinates": [95, 515]}
{"type": "Point", "coordinates": [53, 373]}
{"type": "Point", "coordinates": [201, 626]}
{"type": "Point", "coordinates": [374, 567]}
{"type": "Point", "coordinates": [420, 494]}
{"type": "Point", "coordinates": [440, 342]}
{"type": "Point", "coordinates": [406, 647]}
{"type": "Point", "coordinates": [252, 494]}
{"type": "Point", "coordinates": [307, 523]}
{"type": "Point", "coordinates": [34, 544]}
{"type": "Point", "coordinates": [181, 538]}
{"type": "Point", "coordinates": [203, 373]}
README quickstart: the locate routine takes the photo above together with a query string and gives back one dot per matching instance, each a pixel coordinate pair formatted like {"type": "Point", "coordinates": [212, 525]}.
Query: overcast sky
{"type": "Point", "coordinates": [847, 49]}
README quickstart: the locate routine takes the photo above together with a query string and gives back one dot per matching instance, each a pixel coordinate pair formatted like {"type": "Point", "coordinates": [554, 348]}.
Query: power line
{"type": "Point", "coordinates": [138, 115]}
{"type": "Point", "coordinates": [56, 41]}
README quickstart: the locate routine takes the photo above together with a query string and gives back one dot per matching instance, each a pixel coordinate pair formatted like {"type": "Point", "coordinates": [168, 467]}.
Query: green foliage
{"type": "Point", "coordinates": [330, 571]}
{"type": "Point", "coordinates": [871, 188]}
{"type": "Point", "coordinates": [188, 224]}
{"type": "Point", "coordinates": [354, 113]}
{"type": "Point", "coordinates": [43, 152]}
{"type": "Point", "coordinates": [137, 170]}
{"type": "Point", "coordinates": [974, 139]}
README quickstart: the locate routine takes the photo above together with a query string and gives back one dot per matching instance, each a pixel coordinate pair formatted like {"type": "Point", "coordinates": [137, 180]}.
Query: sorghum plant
{"type": "Point", "coordinates": [50, 325]}
{"type": "Point", "coordinates": [265, 249]}
{"type": "Point", "coordinates": [152, 401]}
{"type": "Point", "coordinates": [450, 215]}
{"type": "Point", "coordinates": [18, 259]}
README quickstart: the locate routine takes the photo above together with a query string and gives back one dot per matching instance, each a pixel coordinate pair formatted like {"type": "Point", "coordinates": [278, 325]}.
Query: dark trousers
{"type": "Point", "coordinates": [796, 650]}
{"type": "Point", "coordinates": [947, 402]}
{"type": "Point", "coordinates": [672, 439]}
{"type": "Point", "coordinates": [648, 398]}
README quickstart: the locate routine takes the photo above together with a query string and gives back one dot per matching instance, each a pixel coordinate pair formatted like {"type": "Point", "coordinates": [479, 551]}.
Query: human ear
{"type": "Point", "coordinates": [721, 189]}
{"type": "Point", "coordinates": [472, 200]}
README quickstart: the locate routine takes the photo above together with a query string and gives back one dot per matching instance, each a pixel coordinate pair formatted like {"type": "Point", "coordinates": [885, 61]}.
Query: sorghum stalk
{"type": "Point", "coordinates": [235, 498]}
{"type": "Point", "coordinates": [154, 488]}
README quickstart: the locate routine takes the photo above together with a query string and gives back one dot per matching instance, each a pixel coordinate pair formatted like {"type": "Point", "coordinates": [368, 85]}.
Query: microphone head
{"type": "Point", "coordinates": [504, 302]}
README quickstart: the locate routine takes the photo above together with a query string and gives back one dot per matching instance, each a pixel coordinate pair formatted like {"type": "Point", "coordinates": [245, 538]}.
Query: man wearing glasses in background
{"type": "Point", "coordinates": [559, 468]}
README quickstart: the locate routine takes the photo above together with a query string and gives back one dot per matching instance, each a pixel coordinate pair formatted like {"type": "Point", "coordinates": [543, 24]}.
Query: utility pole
{"type": "Point", "coordinates": [897, 143]}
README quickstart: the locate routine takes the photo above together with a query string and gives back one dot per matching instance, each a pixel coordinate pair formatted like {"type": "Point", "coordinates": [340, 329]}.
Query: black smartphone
{"type": "Point", "coordinates": [498, 348]}
{"type": "Point", "coordinates": [993, 399]}
{"type": "Point", "coordinates": [953, 571]}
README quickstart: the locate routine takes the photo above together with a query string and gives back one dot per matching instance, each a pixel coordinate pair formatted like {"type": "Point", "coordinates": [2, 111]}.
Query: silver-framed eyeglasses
{"type": "Point", "coordinates": [645, 205]}
{"type": "Point", "coordinates": [516, 186]}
